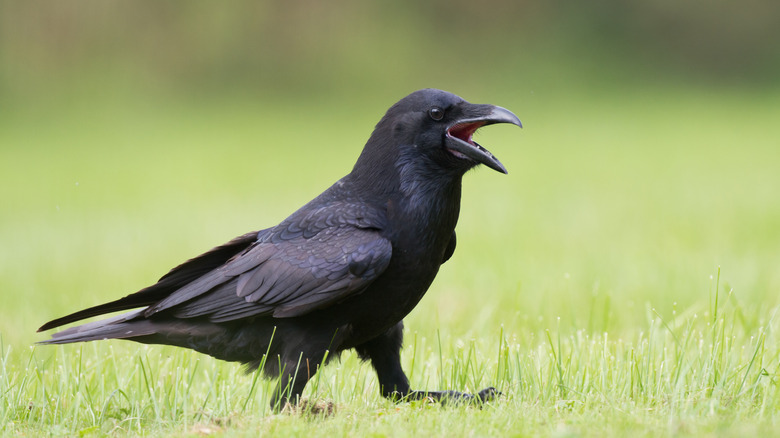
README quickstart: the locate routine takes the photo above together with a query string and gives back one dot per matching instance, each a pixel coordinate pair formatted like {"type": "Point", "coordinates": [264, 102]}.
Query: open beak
{"type": "Point", "coordinates": [460, 143]}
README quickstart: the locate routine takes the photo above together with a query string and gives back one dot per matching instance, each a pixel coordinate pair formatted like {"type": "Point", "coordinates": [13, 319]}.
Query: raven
{"type": "Point", "coordinates": [341, 272]}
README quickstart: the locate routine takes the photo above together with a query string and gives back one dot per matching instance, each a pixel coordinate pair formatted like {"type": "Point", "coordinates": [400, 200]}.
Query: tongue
{"type": "Point", "coordinates": [464, 131]}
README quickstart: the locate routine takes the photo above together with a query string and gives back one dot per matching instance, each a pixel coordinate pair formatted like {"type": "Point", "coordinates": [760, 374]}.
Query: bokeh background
{"type": "Point", "coordinates": [134, 135]}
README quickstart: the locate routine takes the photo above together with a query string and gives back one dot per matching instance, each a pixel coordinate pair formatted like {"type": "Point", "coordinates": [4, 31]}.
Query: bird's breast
{"type": "Point", "coordinates": [419, 244]}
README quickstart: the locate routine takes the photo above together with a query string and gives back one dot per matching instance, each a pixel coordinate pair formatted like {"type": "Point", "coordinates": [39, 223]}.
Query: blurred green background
{"type": "Point", "coordinates": [134, 135]}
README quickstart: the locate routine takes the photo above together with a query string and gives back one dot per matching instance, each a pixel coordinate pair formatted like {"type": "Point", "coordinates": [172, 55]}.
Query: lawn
{"type": "Point", "coordinates": [621, 279]}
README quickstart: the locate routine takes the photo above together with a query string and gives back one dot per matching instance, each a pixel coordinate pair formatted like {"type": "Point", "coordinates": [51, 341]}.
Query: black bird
{"type": "Point", "coordinates": [341, 272]}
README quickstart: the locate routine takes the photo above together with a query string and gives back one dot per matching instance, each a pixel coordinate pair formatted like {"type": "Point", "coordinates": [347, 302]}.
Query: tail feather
{"type": "Point", "coordinates": [122, 326]}
{"type": "Point", "coordinates": [226, 342]}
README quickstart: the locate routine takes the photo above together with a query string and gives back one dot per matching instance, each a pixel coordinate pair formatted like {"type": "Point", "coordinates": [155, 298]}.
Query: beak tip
{"type": "Point", "coordinates": [497, 166]}
{"type": "Point", "coordinates": [503, 115]}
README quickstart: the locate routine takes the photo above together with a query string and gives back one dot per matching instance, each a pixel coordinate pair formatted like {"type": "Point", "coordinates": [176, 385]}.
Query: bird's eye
{"type": "Point", "coordinates": [436, 113]}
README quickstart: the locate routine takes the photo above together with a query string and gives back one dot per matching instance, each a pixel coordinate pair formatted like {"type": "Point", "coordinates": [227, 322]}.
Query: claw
{"type": "Point", "coordinates": [488, 394]}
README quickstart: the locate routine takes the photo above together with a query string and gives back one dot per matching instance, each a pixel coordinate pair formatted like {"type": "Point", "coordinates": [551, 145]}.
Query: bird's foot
{"type": "Point", "coordinates": [445, 397]}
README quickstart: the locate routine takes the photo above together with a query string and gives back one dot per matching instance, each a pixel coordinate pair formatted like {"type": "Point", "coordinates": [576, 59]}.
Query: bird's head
{"type": "Point", "coordinates": [439, 126]}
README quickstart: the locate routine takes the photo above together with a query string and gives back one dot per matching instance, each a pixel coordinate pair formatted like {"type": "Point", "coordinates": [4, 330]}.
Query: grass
{"type": "Point", "coordinates": [622, 279]}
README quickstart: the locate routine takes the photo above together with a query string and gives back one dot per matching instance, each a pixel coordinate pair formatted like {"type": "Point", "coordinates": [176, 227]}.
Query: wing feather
{"type": "Point", "coordinates": [286, 278]}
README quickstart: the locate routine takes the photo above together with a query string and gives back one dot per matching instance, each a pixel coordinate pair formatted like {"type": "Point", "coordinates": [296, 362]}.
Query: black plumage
{"type": "Point", "coordinates": [341, 272]}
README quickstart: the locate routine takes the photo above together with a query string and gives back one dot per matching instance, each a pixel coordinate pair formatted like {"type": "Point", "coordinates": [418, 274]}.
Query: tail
{"type": "Point", "coordinates": [222, 341]}
{"type": "Point", "coordinates": [125, 326]}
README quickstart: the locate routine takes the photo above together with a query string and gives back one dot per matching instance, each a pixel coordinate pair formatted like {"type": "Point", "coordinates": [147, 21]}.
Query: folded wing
{"type": "Point", "coordinates": [284, 277]}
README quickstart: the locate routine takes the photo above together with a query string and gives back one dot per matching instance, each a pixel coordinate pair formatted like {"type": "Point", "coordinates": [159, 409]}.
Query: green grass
{"type": "Point", "coordinates": [622, 279]}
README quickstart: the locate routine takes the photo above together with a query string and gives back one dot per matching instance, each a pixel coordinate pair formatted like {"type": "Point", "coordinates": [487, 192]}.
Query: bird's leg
{"type": "Point", "coordinates": [384, 352]}
{"type": "Point", "coordinates": [293, 376]}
